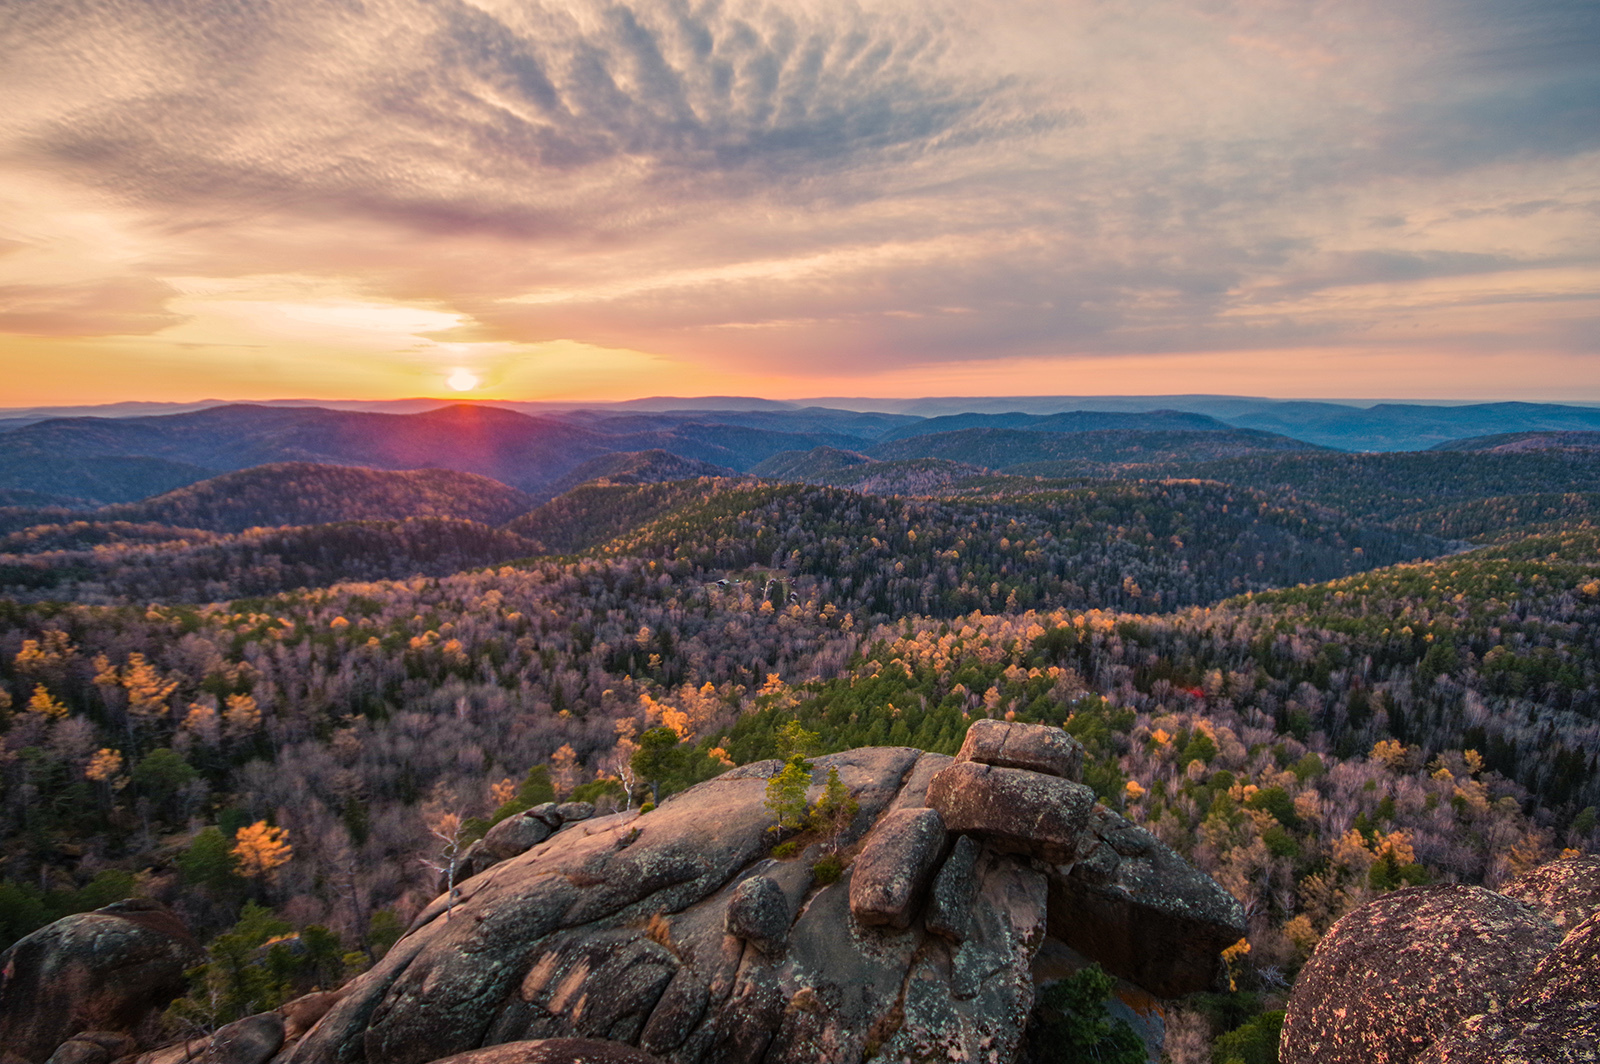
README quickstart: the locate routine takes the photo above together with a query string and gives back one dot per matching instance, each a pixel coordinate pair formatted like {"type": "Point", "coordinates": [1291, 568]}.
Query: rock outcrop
{"type": "Point", "coordinates": [676, 933]}
{"type": "Point", "coordinates": [1554, 1017]}
{"type": "Point", "coordinates": [1141, 910]}
{"type": "Point", "coordinates": [1567, 892]}
{"type": "Point", "coordinates": [894, 867]}
{"type": "Point", "coordinates": [1013, 809]}
{"type": "Point", "coordinates": [554, 1051]}
{"type": "Point", "coordinates": [1458, 975]}
{"type": "Point", "coordinates": [102, 971]}
{"type": "Point", "coordinates": [1035, 747]}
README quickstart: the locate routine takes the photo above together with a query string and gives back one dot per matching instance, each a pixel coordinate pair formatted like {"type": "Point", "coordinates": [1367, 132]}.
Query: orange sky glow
{"type": "Point", "coordinates": [574, 201]}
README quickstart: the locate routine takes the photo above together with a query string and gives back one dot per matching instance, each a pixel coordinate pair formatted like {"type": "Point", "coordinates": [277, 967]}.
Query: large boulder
{"type": "Point", "coordinates": [1014, 809]}
{"type": "Point", "coordinates": [516, 834]}
{"type": "Point", "coordinates": [105, 970]}
{"type": "Point", "coordinates": [93, 1047]}
{"type": "Point", "coordinates": [252, 1040]}
{"type": "Point", "coordinates": [1554, 1018]}
{"type": "Point", "coordinates": [894, 866]}
{"type": "Point", "coordinates": [950, 905]}
{"type": "Point", "coordinates": [1035, 747]}
{"type": "Point", "coordinates": [1141, 910]}
{"type": "Point", "coordinates": [1392, 977]}
{"type": "Point", "coordinates": [679, 933]}
{"type": "Point", "coordinates": [1567, 891]}
{"type": "Point", "coordinates": [758, 912]}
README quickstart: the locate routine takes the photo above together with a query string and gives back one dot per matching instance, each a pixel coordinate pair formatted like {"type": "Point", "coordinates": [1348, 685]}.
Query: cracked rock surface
{"type": "Point", "coordinates": [677, 933]}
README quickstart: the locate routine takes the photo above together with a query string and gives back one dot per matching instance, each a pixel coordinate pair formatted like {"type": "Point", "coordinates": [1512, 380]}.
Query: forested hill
{"type": "Point", "coordinates": [1383, 487]}
{"type": "Point", "coordinates": [1127, 545]}
{"type": "Point", "coordinates": [115, 562]}
{"type": "Point", "coordinates": [1509, 442]}
{"type": "Point", "coordinates": [304, 493]}
{"type": "Point", "coordinates": [1019, 450]}
{"type": "Point", "coordinates": [1073, 423]}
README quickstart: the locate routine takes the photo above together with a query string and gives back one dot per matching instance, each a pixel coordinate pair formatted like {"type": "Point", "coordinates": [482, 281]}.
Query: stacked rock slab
{"type": "Point", "coordinates": [676, 932]}
{"type": "Point", "coordinates": [1458, 975]}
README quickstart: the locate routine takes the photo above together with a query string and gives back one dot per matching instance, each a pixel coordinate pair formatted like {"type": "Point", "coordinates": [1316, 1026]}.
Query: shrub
{"type": "Point", "coordinates": [827, 870]}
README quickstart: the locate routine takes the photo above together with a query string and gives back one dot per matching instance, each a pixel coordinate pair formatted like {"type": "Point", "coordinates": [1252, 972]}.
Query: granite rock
{"type": "Point", "coordinates": [1567, 891]}
{"type": "Point", "coordinates": [1035, 747]}
{"type": "Point", "coordinates": [894, 865]}
{"type": "Point", "coordinates": [677, 932]}
{"type": "Point", "coordinates": [1013, 809]}
{"type": "Point", "coordinates": [1142, 911]}
{"type": "Point", "coordinates": [1393, 976]}
{"type": "Point", "coordinates": [105, 970]}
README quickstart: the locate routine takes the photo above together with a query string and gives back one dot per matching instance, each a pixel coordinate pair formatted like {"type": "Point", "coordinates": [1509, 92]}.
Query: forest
{"type": "Point", "coordinates": [1317, 676]}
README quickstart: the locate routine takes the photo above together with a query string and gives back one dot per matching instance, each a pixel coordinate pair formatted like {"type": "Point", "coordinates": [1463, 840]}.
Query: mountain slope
{"type": "Point", "coordinates": [1107, 544]}
{"type": "Point", "coordinates": [208, 567]}
{"type": "Point", "coordinates": [1021, 449]}
{"type": "Point", "coordinates": [1512, 442]}
{"type": "Point", "coordinates": [1070, 422]}
{"type": "Point", "coordinates": [640, 467]}
{"type": "Point", "coordinates": [305, 493]}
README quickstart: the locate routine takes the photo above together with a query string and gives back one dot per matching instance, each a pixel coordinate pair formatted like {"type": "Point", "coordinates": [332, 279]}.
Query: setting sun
{"type": "Point", "coordinates": [462, 380]}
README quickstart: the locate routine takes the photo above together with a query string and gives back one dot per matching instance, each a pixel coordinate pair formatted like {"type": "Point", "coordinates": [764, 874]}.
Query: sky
{"type": "Point", "coordinates": [585, 200]}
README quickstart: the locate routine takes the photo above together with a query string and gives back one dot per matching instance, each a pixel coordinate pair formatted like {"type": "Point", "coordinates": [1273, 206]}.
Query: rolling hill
{"type": "Point", "coordinates": [1022, 450]}
{"type": "Point", "coordinates": [92, 457]}
{"type": "Point", "coordinates": [1512, 442]}
{"type": "Point", "coordinates": [305, 493]}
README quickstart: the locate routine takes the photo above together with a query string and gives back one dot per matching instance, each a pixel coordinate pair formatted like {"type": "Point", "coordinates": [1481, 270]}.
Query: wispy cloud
{"type": "Point", "coordinates": [803, 188]}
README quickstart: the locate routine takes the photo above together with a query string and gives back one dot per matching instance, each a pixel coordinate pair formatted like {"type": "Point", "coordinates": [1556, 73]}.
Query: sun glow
{"type": "Point", "coordinates": [462, 380]}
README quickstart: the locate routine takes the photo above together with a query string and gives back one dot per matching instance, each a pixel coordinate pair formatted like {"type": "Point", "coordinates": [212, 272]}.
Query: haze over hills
{"type": "Point", "coordinates": [1342, 424]}
{"type": "Point", "coordinates": [1512, 442]}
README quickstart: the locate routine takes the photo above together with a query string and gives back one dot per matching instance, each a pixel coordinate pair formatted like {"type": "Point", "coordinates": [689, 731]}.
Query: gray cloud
{"type": "Point", "coordinates": [972, 181]}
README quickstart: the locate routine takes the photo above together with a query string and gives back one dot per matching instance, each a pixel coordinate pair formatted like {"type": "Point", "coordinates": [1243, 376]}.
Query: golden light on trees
{"type": "Point", "coordinates": [46, 706]}
{"type": "Point", "coordinates": [147, 689]}
{"type": "Point", "coordinates": [105, 764]}
{"type": "Point", "coordinates": [242, 717]}
{"type": "Point", "coordinates": [259, 848]}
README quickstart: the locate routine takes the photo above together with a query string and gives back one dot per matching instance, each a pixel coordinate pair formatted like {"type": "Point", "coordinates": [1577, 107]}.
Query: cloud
{"type": "Point", "coordinates": [815, 185]}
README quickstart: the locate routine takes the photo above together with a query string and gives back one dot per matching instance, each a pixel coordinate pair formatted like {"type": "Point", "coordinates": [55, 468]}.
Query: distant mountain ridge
{"type": "Point", "coordinates": [524, 451]}
{"type": "Point", "coordinates": [305, 493]}
{"type": "Point", "coordinates": [1512, 442]}
{"type": "Point", "coordinates": [1070, 422]}
{"type": "Point", "coordinates": [91, 461]}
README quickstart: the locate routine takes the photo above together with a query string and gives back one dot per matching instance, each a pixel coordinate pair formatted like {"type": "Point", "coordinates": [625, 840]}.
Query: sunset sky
{"type": "Point", "coordinates": [512, 199]}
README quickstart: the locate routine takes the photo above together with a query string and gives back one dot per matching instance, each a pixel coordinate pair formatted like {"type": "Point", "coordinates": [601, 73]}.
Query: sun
{"type": "Point", "coordinates": [462, 380]}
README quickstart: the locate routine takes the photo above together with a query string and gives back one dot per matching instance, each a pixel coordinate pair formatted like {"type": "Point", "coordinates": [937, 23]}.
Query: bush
{"type": "Point", "coordinates": [827, 870]}
{"type": "Point", "coordinates": [1071, 1024]}
{"type": "Point", "coordinates": [1254, 1043]}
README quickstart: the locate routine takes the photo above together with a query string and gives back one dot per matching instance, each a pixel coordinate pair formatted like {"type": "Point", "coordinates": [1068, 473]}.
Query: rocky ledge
{"type": "Point", "coordinates": [678, 936]}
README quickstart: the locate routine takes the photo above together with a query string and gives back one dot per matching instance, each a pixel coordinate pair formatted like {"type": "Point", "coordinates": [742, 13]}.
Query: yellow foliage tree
{"type": "Point", "coordinates": [39, 655]}
{"type": "Point", "coordinates": [242, 717]}
{"type": "Point", "coordinates": [148, 691]}
{"type": "Point", "coordinates": [105, 764]}
{"type": "Point", "coordinates": [47, 707]}
{"type": "Point", "coordinates": [259, 848]}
